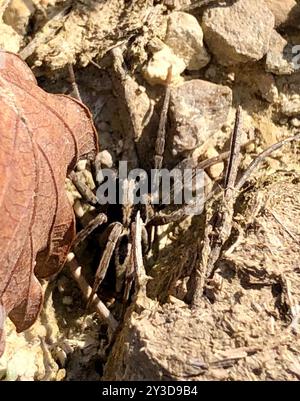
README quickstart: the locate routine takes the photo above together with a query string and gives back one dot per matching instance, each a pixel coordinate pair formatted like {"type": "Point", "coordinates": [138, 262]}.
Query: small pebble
{"type": "Point", "coordinates": [217, 169]}
{"type": "Point", "coordinates": [231, 76]}
{"type": "Point", "coordinates": [156, 71]}
{"type": "Point", "coordinates": [105, 159]}
{"type": "Point", "coordinates": [295, 122]}
{"type": "Point", "coordinates": [61, 374]}
{"type": "Point", "coordinates": [81, 165]}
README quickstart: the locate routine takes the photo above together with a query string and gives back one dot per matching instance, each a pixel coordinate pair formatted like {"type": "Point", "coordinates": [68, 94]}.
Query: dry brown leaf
{"type": "Point", "coordinates": [42, 136]}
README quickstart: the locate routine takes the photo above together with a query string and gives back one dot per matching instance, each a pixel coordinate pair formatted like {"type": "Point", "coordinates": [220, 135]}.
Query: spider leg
{"type": "Point", "coordinates": [195, 207]}
{"type": "Point", "coordinates": [145, 239]}
{"type": "Point", "coordinates": [121, 267]}
{"type": "Point", "coordinates": [83, 189]}
{"type": "Point", "coordinates": [161, 134]}
{"type": "Point", "coordinates": [137, 270]}
{"type": "Point", "coordinates": [186, 210]}
{"type": "Point", "coordinates": [75, 91]}
{"type": "Point", "coordinates": [100, 219]}
{"type": "Point", "coordinates": [105, 259]}
{"type": "Point", "coordinates": [98, 305]}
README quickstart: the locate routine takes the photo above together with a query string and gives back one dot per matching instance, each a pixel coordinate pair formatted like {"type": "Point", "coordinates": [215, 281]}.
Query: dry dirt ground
{"type": "Point", "coordinates": [245, 326]}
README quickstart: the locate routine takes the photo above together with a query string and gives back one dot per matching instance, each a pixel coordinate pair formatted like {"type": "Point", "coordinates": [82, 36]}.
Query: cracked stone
{"type": "Point", "coordinates": [198, 109]}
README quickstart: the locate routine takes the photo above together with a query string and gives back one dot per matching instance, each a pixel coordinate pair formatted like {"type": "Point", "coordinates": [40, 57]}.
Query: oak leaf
{"type": "Point", "coordinates": [42, 136]}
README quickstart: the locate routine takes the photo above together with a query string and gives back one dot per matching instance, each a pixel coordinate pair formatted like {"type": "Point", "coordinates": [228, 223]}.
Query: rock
{"type": "Point", "coordinates": [185, 37]}
{"type": "Point", "coordinates": [266, 85]}
{"type": "Point", "coordinates": [157, 69]}
{"type": "Point", "coordinates": [284, 11]}
{"type": "Point", "coordinates": [105, 159]}
{"type": "Point", "coordinates": [17, 15]}
{"type": "Point", "coordinates": [9, 39]}
{"type": "Point", "coordinates": [240, 32]}
{"type": "Point", "coordinates": [295, 122]}
{"type": "Point", "coordinates": [81, 165]}
{"type": "Point", "coordinates": [197, 110]}
{"type": "Point", "coordinates": [290, 105]}
{"type": "Point", "coordinates": [217, 169]}
{"type": "Point", "coordinates": [289, 90]}
{"type": "Point", "coordinates": [279, 58]}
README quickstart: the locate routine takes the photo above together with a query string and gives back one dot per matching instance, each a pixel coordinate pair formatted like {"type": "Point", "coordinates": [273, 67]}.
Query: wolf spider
{"type": "Point", "coordinates": [128, 237]}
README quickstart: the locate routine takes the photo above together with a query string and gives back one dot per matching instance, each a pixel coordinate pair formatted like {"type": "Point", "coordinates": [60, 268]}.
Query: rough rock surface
{"type": "Point", "coordinates": [17, 15]}
{"type": "Point", "coordinates": [185, 37]}
{"type": "Point", "coordinates": [9, 39]}
{"type": "Point", "coordinates": [240, 32]}
{"type": "Point", "coordinates": [279, 58]}
{"type": "Point", "coordinates": [197, 110]}
{"type": "Point", "coordinates": [289, 89]}
{"type": "Point", "coordinates": [285, 11]}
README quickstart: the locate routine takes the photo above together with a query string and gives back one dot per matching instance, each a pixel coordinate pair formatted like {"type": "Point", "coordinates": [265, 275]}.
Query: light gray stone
{"type": "Point", "coordinates": [198, 109]}
{"type": "Point", "coordinates": [279, 58]}
{"type": "Point", "coordinates": [185, 37]}
{"type": "Point", "coordinates": [239, 32]}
